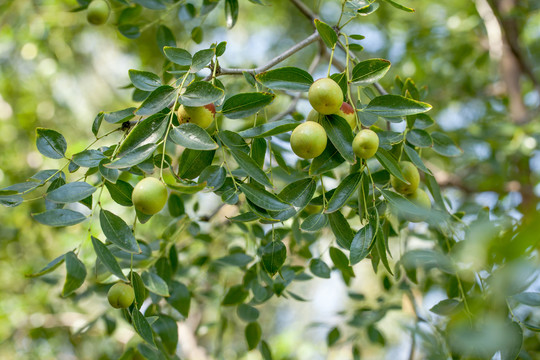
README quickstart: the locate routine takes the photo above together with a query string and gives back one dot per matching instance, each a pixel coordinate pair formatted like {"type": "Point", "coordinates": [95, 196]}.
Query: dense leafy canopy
{"type": "Point", "coordinates": [248, 226]}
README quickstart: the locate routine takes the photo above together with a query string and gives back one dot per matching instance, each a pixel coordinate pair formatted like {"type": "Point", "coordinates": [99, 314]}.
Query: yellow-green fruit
{"type": "Point", "coordinates": [121, 295]}
{"type": "Point", "coordinates": [98, 12]}
{"type": "Point", "coordinates": [308, 140]}
{"type": "Point", "coordinates": [410, 173]}
{"type": "Point", "coordinates": [149, 196]}
{"type": "Point", "coordinates": [365, 143]}
{"type": "Point", "coordinates": [200, 115]}
{"type": "Point", "coordinates": [420, 198]}
{"type": "Point", "coordinates": [314, 116]}
{"type": "Point", "coordinates": [346, 111]}
{"type": "Point", "coordinates": [325, 96]}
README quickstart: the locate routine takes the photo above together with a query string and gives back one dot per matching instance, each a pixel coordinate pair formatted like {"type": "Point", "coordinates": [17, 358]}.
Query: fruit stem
{"type": "Point", "coordinates": [331, 58]}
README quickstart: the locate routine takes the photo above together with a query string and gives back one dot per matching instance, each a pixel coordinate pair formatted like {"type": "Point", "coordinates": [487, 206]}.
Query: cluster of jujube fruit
{"type": "Point", "coordinates": [309, 139]}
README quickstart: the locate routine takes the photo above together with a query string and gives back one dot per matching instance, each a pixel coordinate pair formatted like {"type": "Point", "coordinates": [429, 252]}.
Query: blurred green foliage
{"type": "Point", "coordinates": [58, 72]}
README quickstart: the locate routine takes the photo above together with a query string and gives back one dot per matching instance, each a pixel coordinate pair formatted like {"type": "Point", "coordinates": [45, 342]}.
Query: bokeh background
{"type": "Point", "coordinates": [58, 72]}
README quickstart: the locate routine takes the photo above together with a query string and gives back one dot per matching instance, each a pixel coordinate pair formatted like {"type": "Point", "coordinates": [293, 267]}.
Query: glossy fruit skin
{"type": "Point", "coordinates": [420, 198]}
{"type": "Point", "coordinates": [410, 173]}
{"type": "Point", "coordinates": [308, 140]}
{"type": "Point", "coordinates": [346, 111]}
{"type": "Point", "coordinates": [98, 12]}
{"type": "Point", "coordinates": [200, 115]}
{"type": "Point", "coordinates": [365, 143]}
{"type": "Point", "coordinates": [325, 96]}
{"type": "Point", "coordinates": [121, 295]}
{"type": "Point", "coordinates": [149, 196]}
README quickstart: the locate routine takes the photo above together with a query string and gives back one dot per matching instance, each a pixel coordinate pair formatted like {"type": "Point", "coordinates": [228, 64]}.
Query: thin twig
{"type": "Point", "coordinates": [302, 44]}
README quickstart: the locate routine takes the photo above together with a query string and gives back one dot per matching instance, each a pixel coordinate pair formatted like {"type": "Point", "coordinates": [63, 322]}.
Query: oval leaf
{"type": "Point", "coordinates": [155, 284]}
{"type": "Point", "coordinates": [144, 80]}
{"type": "Point", "coordinates": [59, 217]}
{"type": "Point", "coordinates": [243, 105]}
{"type": "Point", "coordinates": [71, 192]}
{"type": "Point", "coordinates": [51, 143]}
{"type": "Point", "coordinates": [369, 71]}
{"type": "Point", "coordinates": [269, 129]}
{"type": "Point", "coordinates": [118, 232]}
{"type": "Point", "coordinates": [286, 78]}
{"type": "Point", "coordinates": [343, 192]}
{"type": "Point", "coordinates": [192, 136]}
{"type": "Point", "coordinates": [263, 198]}
{"type": "Point", "coordinates": [107, 258]}
{"type": "Point", "coordinates": [157, 100]}
{"type": "Point", "coordinates": [361, 243]}
{"type": "Point", "coordinates": [75, 274]}
{"type": "Point", "coordinates": [200, 93]}
{"type": "Point", "coordinates": [395, 106]}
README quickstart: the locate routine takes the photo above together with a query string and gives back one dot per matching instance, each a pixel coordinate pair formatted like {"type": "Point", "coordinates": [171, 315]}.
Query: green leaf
{"type": "Point", "coordinates": [419, 138]}
{"type": "Point", "coordinates": [299, 193]}
{"type": "Point", "coordinates": [130, 31]}
{"type": "Point", "coordinates": [187, 189]}
{"type": "Point", "coordinates": [263, 198]}
{"type": "Point", "coordinates": [164, 37]}
{"type": "Point", "coordinates": [178, 56]}
{"type": "Point", "coordinates": [447, 307]}
{"type": "Point", "coordinates": [369, 71]}
{"type": "Point", "coordinates": [427, 259]}
{"type": "Point", "coordinates": [243, 105]}
{"type": "Point", "coordinates": [155, 284]}
{"type": "Point", "coordinates": [193, 162]}
{"type": "Point", "coordinates": [120, 192]}
{"type": "Point", "coordinates": [445, 146]}
{"type": "Point", "coordinates": [341, 262]}
{"type": "Point", "coordinates": [88, 158]}
{"type": "Point", "coordinates": [367, 9]}
{"type": "Point", "coordinates": [71, 192]}
{"type": "Point", "coordinates": [415, 158]}
{"type": "Point", "coordinates": [247, 312]}
{"type": "Point", "coordinates": [49, 267]}
{"type": "Point", "coordinates": [328, 35]}
{"type": "Point", "coordinates": [236, 259]}
{"type": "Point", "coordinates": [404, 205]}
{"type": "Point", "coordinates": [253, 334]}
{"type": "Point", "coordinates": [265, 351]}
{"type": "Point", "coordinates": [528, 298]}
{"type": "Point", "coordinates": [273, 256]}
{"type": "Point", "coordinates": [200, 93]}
{"type": "Point", "coordinates": [231, 12]}
{"type": "Point", "coordinates": [236, 295]}
{"type": "Point", "coordinates": [149, 131]}
{"type": "Point", "coordinates": [144, 80]}
{"type": "Point", "coordinates": [214, 176]}
{"type": "Point", "coordinates": [361, 244]}
{"type": "Point", "coordinates": [395, 105]}
{"type": "Point", "coordinates": [167, 329]}
{"type": "Point", "coordinates": [286, 78]}
{"type": "Point", "coordinates": [343, 192]}
{"type": "Point", "coordinates": [50, 143]}
{"type": "Point", "coordinates": [399, 6]}
{"type": "Point", "coordinates": [328, 160]}
{"type": "Point", "coordinates": [180, 298]}
{"type": "Point", "coordinates": [107, 258]}
{"type": "Point", "coordinates": [340, 134]}
{"type": "Point", "coordinates": [251, 168]}
{"type": "Point", "coordinates": [341, 229]}
{"type": "Point", "coordinates": [201, 59]}
{"type": "Point", "coordinates": [142, 327]}
{"type": "Point", "coordinates": [333, 336]}
{"type": "Point", "coordinates": [269, 129]}
{"type": "Point", "coordinates": [514, 342]}
{"type": "Point", "coordinates": [118, 232]}
{"type": "Point", "coordinates": [151, 4]}
{"type": "Point", "coordinates": [138, 288]}
{"type": "Point", "coordinates": [119, 116]}
{"type": "Point", "coordinates": [192, 136]}
{"type": "Point", "coordinates": [59, 217]}
{"type": "Point", "coordinates": [319, 268]}
{"type": "Point", "coordinates": [75, 274]}
{"type": "Point", "coordinates": [133, 157]}
{"type": "Point", "coordinates": [314, 222]}
{"type": "Point", "coordinates": [388, 162]}
{"type": "Point", "coordinates": [158, 99]}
